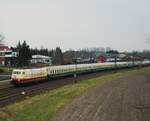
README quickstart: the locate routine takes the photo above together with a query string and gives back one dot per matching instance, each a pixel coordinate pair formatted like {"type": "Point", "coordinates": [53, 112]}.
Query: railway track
{"type": "Point", "coordinates": [11, 94]}
{"type": "Point", "coordinates": [5, 84]}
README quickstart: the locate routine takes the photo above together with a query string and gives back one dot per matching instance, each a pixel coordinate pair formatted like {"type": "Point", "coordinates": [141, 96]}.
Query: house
{"type": "Point", "coordinates": [101, 59]}
{"type": "Point", "coordinates": [7, 56]}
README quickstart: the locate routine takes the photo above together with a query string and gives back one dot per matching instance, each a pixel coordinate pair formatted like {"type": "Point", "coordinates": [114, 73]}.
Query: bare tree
{"type": "Point", "coordinates": [2, 37]}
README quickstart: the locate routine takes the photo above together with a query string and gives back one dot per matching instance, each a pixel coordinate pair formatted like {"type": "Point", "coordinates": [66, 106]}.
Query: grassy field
{"type": "Point", "coordinates": [44, 106]}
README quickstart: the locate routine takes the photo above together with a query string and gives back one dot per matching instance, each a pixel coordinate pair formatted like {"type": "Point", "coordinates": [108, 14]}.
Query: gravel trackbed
{"type": "Point", "coordinates": [126, 99]}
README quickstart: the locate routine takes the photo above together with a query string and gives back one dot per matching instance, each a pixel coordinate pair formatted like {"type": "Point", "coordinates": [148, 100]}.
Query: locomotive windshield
{"type": "Point", "coordinates": [16, 72]}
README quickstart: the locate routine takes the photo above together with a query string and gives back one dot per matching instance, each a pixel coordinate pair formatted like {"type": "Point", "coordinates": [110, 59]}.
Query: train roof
{"type": "Point", "coordinates": [67, 66]}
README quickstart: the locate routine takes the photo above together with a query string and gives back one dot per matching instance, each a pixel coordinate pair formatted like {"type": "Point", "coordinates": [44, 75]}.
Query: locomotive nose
{"type": "Point", "coordinates": [13, 76]}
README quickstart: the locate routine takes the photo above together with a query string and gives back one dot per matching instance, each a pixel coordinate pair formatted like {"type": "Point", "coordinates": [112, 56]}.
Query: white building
{"type": "Point", "coordinates": [41, 59]}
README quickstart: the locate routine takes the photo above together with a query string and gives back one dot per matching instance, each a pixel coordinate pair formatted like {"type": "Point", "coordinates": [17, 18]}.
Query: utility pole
{"type": "Point", "coordinates": [133, 60]}
{"type": "Point", "coordinates": [115, 61]}
{"type": "Point", "coordinates": [113, 53]}
{"type": "Point", "coordinates": [75, 73]}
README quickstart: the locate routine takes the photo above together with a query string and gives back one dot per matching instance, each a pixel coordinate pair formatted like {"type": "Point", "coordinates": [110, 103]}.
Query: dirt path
{"type": "Point", "coordinates": [126, 99]}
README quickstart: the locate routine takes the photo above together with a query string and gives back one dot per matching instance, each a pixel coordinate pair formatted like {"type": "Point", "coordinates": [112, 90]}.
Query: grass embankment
{"type": "Point", "coordinates": [5, 69]}
{"type": "Point", "coordinates": [44, 106]}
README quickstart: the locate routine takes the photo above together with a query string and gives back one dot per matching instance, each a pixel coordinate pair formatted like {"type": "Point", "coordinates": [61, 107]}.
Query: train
{"type": "Point", "coordinates": [22, 76]}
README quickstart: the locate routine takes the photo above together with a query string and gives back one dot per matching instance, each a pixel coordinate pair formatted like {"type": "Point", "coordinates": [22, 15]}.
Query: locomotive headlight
{"type": "Point", "coordinates": [13, 76]}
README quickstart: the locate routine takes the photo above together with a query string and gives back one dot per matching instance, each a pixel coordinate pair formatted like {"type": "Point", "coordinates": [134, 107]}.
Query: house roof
{"type": "Point", "coordinates": [40, 57]}
{"type": "Point", "coordinates": [4, 47]}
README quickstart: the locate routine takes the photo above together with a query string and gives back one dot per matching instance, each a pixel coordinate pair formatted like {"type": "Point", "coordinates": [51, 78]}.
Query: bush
{"type": "Point", "coordinates": [2, 70]}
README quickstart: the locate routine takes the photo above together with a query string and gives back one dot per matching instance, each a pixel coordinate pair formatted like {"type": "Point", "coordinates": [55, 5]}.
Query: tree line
{"type": "Point", "coordinates": [58, 57]}
{"type": "Point", "coordinates": [24, 54]}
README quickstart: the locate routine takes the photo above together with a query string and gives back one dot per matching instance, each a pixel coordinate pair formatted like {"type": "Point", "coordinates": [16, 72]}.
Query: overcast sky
{"type": "Point", "coordinates": [120, 24]}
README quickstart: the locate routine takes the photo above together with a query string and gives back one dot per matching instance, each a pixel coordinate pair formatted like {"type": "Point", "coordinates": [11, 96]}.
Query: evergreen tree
{"type": "Point", "coordinates": [58, 56]}
{"type": "Point", "coordinates": [24, 54]}
{"type": "Point", "coordinates": [19, 59]}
